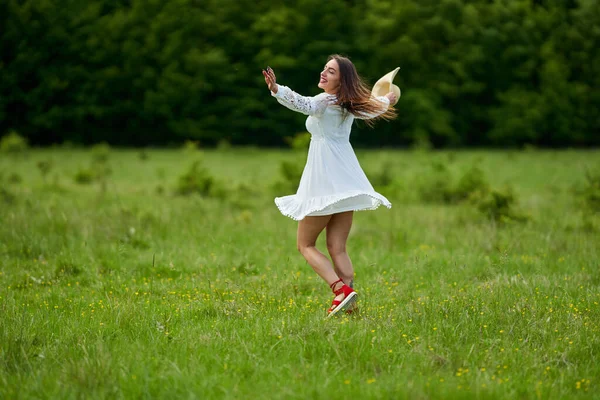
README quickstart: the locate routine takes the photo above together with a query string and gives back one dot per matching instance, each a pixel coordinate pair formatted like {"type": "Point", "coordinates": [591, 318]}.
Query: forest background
{"type": "Point", "coordinates": [504, 73]}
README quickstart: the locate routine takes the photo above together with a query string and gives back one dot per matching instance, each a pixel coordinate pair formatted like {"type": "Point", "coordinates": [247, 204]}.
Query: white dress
{"type": "Point", "coordinates": [332, 180]}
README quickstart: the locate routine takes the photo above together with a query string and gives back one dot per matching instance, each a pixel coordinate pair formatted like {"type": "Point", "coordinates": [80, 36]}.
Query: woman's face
{"type": "Point", "coordinates": [330, 77]}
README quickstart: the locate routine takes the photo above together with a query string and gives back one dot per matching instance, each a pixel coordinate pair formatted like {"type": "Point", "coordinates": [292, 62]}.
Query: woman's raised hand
{"type": "Point", "coordinates": [270, 79]}
{"type": "Point", "coordinates": [391, 97]}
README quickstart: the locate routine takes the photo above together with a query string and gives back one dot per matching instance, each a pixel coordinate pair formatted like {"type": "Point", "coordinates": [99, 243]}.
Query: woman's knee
{"type": "Point", "coordinates": [336, 248]}
{"type": "Point", "coordinates": [304, 247]}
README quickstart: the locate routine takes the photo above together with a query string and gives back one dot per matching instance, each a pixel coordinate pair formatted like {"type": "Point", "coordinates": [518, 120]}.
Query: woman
{"type": "Point", "coordinates": [333, 185]}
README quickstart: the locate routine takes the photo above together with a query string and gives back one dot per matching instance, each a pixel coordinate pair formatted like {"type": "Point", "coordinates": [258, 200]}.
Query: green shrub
{"type": "Point", "coordinates": [439, 185]}
{"type": "Point", "coordinates": [14, 178]}
{"type": "Point", "coordinates": [471, 187]}
{"type": "Point", "coordinates": [13, 143]}
{"type": "Point", "coordinates": [84, 176]}
{"type": "Point", "coordinates": [421, 142]}
{"type": "Point", "coordinates": [291, 172]}
{"type": "Point", "coordinates": [196, 179]}
{"type": "Point", "coordinates": [384, 177]}
{"type": "Point", "coordinates": [243, 196]}
{"type": "Point", "coordinates": [498, 204]}
{"type": "Point", "coordinates": [591, 191]}
{"type": "Point", "coordinates": [300, 141]}
{"type": "Point", "coordinates": [219, 190]}
{"type": "Point", "coordinates": [245, 216]}
{"type": "Point", "coordinates": [102, 171]}
{"type": "Point", "coordinates": [6, 196]}
{"type": "Point", "coordinates": [436, 186]}
{"type": "Point", "coordinates": [223, 145]}
{"type": "Point", "coordinates": [100, 152]}
{"type": "Point", "coordinates": [191, 146]}
{"type": "Point", "coordinates": [45, 166]}
{"type": "Point", "coordinates": [471, 182]}
{"type": "Point", "coordinates": [143, 155]}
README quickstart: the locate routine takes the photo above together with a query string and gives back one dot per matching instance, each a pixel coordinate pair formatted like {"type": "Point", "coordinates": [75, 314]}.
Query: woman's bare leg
{"type": "Point", "coordinates": [338, 230]}
{"type": "Point", "coordinates": [308, 232]}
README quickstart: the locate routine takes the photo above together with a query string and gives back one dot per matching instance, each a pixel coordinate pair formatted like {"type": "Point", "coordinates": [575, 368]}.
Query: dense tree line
{"type": "Point", "coordinates": [141, 72]}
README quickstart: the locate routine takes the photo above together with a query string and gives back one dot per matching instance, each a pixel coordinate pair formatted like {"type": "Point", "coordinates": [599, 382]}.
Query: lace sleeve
{"type": "Point", "coordinates": [294, 101]}
{"type": "Point", "coordinates": [381, 99]}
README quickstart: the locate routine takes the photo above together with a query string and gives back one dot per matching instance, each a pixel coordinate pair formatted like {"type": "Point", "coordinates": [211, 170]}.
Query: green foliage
{"type": "Point", "coordinates": [480, 73]}
{"type": "Point", "coordinates": [100, 152]}
{"type": "Point", "coordinates": [84, 176]}
{"type": "Point", "coordinates": [290, 172]}
{"type": "Point", "coordinates": [98, 170]}
{"type": "Point", "coordinates": [7, 196]}
{"type": "Point", "coordinates": [435, 186]}
{"type": "Point", "coordinates": [300, 141]}
{"type": "Point", "coordinates": [196, 179]}
{"type": "Point", "coordinates": [471, 182]}
{"type": "Point", "coordinates": [384, 177]}
{"type": "Point", "coordinates": [591, 190]}
{"type": "Point", "coordinates": [143, 155]}
{"type": "Point", "coordinates": [440, 185]}
{"type": "Point", "coordinates": [44, 166]}
{"type": "Point", "coordinates": [191, 146]}
{"type": "Point", "coordinates": [471, 187]}
{"type": "Point", "coordinates": [498, 204]}
{"type": "Point", "coordinates": [14, 178]}
{"type": "Point", "coordinates": [13, 143]}
{"type": "Point", "coordinates": [224, 144]}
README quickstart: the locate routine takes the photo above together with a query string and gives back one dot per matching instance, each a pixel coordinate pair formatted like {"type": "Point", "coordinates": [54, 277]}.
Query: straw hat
{"type": "Point", "coordinates": [384, 85]}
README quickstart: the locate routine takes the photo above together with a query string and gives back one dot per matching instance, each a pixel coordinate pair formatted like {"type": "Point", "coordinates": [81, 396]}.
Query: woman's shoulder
{"type": "Point", "coordinates": [325, 96]}
{"type": "Point", "coordinates": [325, 103]}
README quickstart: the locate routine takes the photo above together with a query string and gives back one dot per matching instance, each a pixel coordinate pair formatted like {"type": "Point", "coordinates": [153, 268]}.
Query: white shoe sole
{"type": "Point", "coordinates": [342, 304]}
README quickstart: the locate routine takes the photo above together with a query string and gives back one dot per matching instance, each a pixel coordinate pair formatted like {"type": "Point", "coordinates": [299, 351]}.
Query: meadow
{"type": "Point", "coordinates": [171, 274]}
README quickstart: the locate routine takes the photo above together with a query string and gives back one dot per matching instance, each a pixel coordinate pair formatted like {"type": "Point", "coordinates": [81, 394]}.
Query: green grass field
{"type": "Point", "coordinates": [122, 288]}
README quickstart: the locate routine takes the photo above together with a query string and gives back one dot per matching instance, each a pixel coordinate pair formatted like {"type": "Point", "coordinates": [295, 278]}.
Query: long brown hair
{"type": "Point", "coordinates": [354, 95]}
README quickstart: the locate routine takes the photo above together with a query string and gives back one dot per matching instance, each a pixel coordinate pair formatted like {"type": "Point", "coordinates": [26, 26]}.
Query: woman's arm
{"type": "Point", "coordinates": [295, 102]}
{"type": "Point", "coordinates": [384, 106]}
{"type": "Point", "coordinates": [292, 100]}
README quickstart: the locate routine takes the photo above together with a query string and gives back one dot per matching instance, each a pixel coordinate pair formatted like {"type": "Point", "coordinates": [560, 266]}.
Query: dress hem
{"type": "Point", "coordinates": [378, 202]}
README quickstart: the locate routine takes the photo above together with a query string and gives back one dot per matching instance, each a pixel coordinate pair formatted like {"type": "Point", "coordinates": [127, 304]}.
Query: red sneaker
{"type": "Point", "coordinates": [338, 305]}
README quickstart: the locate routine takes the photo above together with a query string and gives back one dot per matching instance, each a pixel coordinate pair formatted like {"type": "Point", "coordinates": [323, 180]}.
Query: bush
{"type": "Point", "coordinates": [143, 155]}
{"type": "Point", "coordinates": [45, 166]}
{"type": "Point", "coordinates": [243, 196]}
{"type": "Point", "coordinates": [14, 178]}
{"type": "Point", "coordinates": [291, 172]}
{"type": "Point", "coordinates": [223, 145]}
{"type": "Point", "coordinates": [300, 141]}
{"type": "Point", "coordinates": [191, 146]}
{"type": "Point", "coordinates": [471, 182]}
{"type": "Point", "coordinates": [197, 179]}
{"type": "Point", "coordinates": [436, 187]}
{"type": "Point", "coordinates": [440, 187]}
{"type": "Point", "coordinates": [591, 191]}
{"type": "Point", "coordinates": [6, 196]}
{"type": "Point", "coordinates": [100, 152]}
{"type": "Point", "coordinates": [498, 205]}
{"type": "Point", "coordinates": [13, 143]}
{"type": "Point", "coordinates": [470, 188]}
{"type": "Point", "coordinates": [84, 176]}
{"type": "Point", "coordinates": [383, 177]}
{"type": "Point", "coordinates": [98, 171]}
